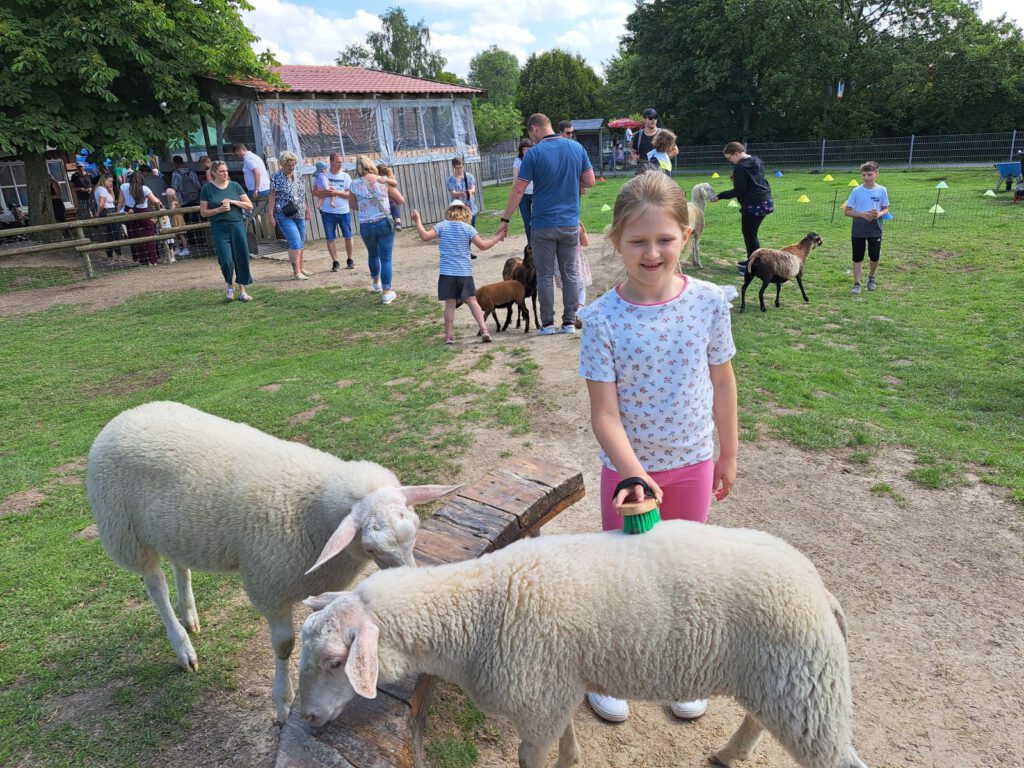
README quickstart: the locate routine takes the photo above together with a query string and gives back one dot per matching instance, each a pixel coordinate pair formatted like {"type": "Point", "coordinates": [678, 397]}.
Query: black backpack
{"type": "Point", "coordinates": [187, 185]}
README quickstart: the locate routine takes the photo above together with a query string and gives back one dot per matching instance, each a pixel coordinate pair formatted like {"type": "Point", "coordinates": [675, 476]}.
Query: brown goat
{"type": "Point", "coordinates": [778, 266]}
{"type": "Point", "coordinates": [505, 294]}
{"type": "Point", "coordinates": [526, 273]}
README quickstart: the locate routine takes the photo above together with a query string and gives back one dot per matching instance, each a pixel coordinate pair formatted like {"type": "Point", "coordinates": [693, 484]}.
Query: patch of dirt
{"type": "Point", "coordinates": [20, 502]}
{"type": "Point", "coordinates": [88, 534]}
{"type": "Point", "coordinates": [931, 586]}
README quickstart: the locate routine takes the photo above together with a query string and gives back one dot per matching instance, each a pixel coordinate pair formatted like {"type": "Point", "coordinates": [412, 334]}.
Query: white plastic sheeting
{"type": "Point", "coordinates": [400, 132]}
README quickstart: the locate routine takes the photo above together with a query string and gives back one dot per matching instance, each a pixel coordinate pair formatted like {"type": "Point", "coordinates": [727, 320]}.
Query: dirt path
{"type": "Point", "coordinates": [932, 591]}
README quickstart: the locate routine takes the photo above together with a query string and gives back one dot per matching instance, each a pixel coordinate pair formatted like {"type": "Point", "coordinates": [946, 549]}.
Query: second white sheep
{"type": "Point", "coordinates": [682, 612]}
{"type": "Point", "coordinates": [168, 480]}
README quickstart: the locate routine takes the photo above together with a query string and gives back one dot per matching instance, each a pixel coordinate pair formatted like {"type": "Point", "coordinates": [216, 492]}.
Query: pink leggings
{"type": "Point", "coordinates": [687, 493]}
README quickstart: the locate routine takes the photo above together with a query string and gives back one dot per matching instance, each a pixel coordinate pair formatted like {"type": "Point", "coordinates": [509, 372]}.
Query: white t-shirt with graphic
{"type": "Point", "coordinates": [339, 182]}
{"type": "Point", "coordinates": [658, 356]}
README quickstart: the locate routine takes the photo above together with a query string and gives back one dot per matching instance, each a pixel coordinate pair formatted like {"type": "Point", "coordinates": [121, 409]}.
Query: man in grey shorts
{"type": "Point", "coordinates": [559, 169]}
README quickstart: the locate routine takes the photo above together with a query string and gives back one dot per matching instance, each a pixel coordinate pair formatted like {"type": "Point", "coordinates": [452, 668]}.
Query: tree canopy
{"type": "Point", "coordinates": [496, 122]}
{"type": "Point", "coordinates": [120, 76]}
{"type": "Point", "coordinates": [559, 84]}
{"type": "Point", "coordinates": [790, 69]}
{"type": "Point", "coordinates": [497, 72]}
{"type": "Point", "coordinates": [399, 47]}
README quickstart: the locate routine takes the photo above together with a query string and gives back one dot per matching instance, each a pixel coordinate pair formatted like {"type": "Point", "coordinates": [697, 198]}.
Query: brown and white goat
{"type": "Point", "coordinates": [778, 266]}
{"type": "Point", "coordinates": [501, 295]}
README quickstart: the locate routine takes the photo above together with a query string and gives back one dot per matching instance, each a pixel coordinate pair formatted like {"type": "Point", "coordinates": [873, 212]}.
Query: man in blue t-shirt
{"type": "Point", "coordinates": [559, 169]}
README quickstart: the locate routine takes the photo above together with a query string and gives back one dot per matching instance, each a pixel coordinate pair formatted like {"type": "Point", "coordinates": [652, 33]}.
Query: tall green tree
{"type": "Point", "coordinates": [497, 72]}
{"type": "Point", "coordinates": [121, 75]}
{"type": "Point", "coordinates": [559, 84]}
{"type": "Point", "coordinates": [399, 47]}
{"type": "Point", "coordinates": [496, 122]}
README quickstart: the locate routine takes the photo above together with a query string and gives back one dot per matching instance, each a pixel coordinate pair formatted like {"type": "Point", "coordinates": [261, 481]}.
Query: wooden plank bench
{"type": "Point", "coordinates": [508, 503]}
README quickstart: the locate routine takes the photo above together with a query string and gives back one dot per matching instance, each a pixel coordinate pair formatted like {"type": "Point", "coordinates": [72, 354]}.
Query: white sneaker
{"type": "Point", "coordinates": [184, 252]}
{"type": "Point", "coordinates": [548, 330]}
{"type": "Point", "coordinates": [608, 707]}
{"type": "Point", "coordinates": [376, 288]}
{"type": "Point", "coordinates": [570, 329]}
{"type": "Point", "coordinates": [689, 710]}
{"type": "Point", "coordinates": [388, 296]}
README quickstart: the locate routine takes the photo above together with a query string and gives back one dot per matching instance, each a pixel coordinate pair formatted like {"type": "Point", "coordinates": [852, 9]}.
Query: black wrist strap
{"type": "Point", "coordinates": [629, 482]}
{"type": "Point", "coordinates": [506, 221]}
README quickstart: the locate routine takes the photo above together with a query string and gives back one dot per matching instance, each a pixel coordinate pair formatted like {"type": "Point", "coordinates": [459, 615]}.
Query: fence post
{"type": "Point", "coordinates": [821, 168]}
{"type": "Point", "coordinates": [1013, 143]}
{"type": "Point", "coordinates": [910, 160]}
{"type": "Point", "coordinates": [835, 199]}
{"type": "Point", "coordinates": [88, 260]}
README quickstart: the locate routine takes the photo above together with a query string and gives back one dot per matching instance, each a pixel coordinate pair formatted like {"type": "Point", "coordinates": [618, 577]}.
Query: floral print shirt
{"type": "Point", "coordinates": [658, 356]}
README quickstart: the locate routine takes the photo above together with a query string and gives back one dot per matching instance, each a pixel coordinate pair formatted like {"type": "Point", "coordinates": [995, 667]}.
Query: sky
{"type": "Point", "coordinates": [313, 31]}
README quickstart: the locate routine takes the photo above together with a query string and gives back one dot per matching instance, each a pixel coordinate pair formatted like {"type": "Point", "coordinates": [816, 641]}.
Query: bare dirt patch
{"type": "Point", "coordinates": [931, 586]}
{"type": "Point", "coordinates": [21, 502]}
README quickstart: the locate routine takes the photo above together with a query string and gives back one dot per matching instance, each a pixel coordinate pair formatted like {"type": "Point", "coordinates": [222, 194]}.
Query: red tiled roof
{"type": "Point", "coordinates": [302, 78]}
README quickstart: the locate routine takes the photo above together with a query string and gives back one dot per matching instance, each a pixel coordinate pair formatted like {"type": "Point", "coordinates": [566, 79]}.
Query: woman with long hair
{"type": "Point", "coordinates": [751, 188]}
{"type": "Point", "coordinates": [136, 197]}
{"type": "Point", "coordinates": [526, 204]}
{"type": "Point", "coordinates": [106, 204]}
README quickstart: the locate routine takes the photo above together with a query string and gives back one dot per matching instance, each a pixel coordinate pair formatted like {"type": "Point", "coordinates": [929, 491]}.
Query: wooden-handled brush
{"type": "Point", "coordinates": [637, 516]}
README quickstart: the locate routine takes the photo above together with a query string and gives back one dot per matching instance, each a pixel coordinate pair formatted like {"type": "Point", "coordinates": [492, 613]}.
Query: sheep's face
{"type": "Point", "coordinates": [338, 658]}
{"type": "Point", "coordinates": [815, 239]}
{"type": "Point", "coordinates": [387, 527]}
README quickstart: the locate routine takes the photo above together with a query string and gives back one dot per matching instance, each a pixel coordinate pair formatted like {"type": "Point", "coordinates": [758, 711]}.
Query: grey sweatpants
{"type": "Point", "coordinates": [556, 247]}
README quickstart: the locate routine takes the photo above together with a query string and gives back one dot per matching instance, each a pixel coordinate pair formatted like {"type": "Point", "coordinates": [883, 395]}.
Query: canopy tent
{"type": "Point", "coordinates": [625, 122]}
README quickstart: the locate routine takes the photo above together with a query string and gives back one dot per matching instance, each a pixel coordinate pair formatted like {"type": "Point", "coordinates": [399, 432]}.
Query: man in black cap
{"type": "Point", "coordinates": [643, 141]}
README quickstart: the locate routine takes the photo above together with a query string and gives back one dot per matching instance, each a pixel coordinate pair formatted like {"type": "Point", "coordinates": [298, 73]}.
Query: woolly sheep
{"type": "Point", "coordinates": [507, 293]}
{"type": "Point", "coordinates": [682, 612]}
{"type": "Point", "coordinates": [168, 480]}
{"type": "Point", "coordinates": [778, 266]}
{"type": "Point", "coordinates": [699, 196]}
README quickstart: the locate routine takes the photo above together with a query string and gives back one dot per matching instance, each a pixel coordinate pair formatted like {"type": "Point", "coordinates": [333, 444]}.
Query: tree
{"type": "Point", "coordinates": [497, 72]}
{"type": "Point", "coordinates": [559, 84]}
{"type": "Point", "coordinates": [355, 55]}
{"type": "Point", "coordinates": [496, 122]}
{"type": "Point", "coordinates": [399, 47]}
{"type": "Point", "coordinates": [449, 77]}
{"type": "Point", "coordinates": [119, 76]}
{"type": "Point", "coordinates": [793, 69]}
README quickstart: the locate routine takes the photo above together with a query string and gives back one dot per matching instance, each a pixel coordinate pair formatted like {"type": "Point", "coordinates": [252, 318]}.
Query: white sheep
{"type": "Point", "coordinates": [682, 612]}
{"type": "Point", "coordinates": [699, 196]}
{"type": "Point", "coordinates": [168, 480]}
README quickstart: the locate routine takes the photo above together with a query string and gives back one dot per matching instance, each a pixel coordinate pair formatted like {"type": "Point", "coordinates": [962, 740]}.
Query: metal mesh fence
{"type": "Point", "coordinates": [63, 254]}
{"type": "Point", "coordinates": [824, 155]}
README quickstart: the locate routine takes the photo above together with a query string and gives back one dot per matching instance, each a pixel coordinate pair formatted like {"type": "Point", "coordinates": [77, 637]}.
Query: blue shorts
{"type": "Point", "coordinates": [334, 220]}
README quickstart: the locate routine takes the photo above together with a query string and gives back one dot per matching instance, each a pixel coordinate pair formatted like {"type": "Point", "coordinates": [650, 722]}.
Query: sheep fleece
{"type": "Point", "coordinates": [684, 611]}
{"type": "Point", "coordinates": [214, 495]}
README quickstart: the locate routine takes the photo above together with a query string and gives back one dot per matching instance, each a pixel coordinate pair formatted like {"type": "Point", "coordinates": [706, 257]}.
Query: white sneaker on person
{"type": "Point", "coordinates": [388, 296]}
{"type": "Point", "coordinates": [689, 710]}
{"type": "Point", "coordinates": [230, 294]}
{"type": "Point", "coordinates": [856, 289]}
{"type": "Point", "coordinates": [376, 288]}
{"type": "Point", "coordinates": [570, 329]}
{"type": "Point", "coordinates": [300, 276]}
{"type": "Point", "coordinates": [547, 330]}
{"type": "Point", "coordinates": [608, 707]}
{"type": "Point", "coordinates": [184, 252]}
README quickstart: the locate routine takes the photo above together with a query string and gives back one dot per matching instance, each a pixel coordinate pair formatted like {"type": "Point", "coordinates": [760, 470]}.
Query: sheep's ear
{"type": "Point", "coordinates": [362, 665]}
{"type": "Point", "coordinates": [421, 494]}
{"type": "Point", "coordinates": [321, 601]}
{"type": "Point", "coordinates": [340, 539]}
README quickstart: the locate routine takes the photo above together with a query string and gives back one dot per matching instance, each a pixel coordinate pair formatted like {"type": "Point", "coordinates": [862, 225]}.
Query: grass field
{"type": "Point", "coordinates": [931, 361]}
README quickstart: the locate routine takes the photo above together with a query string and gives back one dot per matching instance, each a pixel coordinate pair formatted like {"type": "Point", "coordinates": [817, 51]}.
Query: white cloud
{"type": "Point", "coordinates": [990, 9]}
{"type": "Point", "coordinates": [298, 34]}
{"type": "Point", "coordinates": [459, 43]}
{"type": "Point", "coordinates": [596, 40]}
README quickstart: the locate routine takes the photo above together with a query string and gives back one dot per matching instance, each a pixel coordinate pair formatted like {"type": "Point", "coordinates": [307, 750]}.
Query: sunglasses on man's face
{"type": "Point", "coordinates": [567, 133]}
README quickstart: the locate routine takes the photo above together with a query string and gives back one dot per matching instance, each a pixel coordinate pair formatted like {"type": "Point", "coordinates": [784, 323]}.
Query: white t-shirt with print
{"type": "Point", "coordinates": [339, 182]}
{"type": "Point", "coordinates": [658, 356]}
